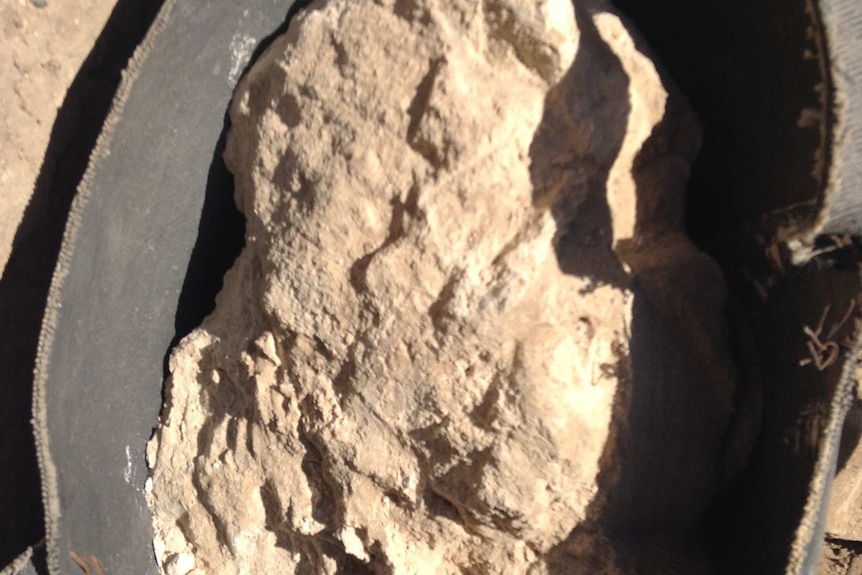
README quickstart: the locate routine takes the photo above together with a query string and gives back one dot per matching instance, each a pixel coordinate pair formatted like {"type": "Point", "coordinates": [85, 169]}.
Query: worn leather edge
{"type": "Point", "coordinates": [50, 496]}
{"type": "Point", "coordinates": [838, 34]}
{"type": "Point", "coordinates": [153, 225]}
{"type": "Point", "coordinates": [842, 24]}
{"type": "Point", "coordinates": [807, 542]}
{"type": "Point", "coordinates": [30, 562]}
{"type": "Point", "coordinates": [19, 564]}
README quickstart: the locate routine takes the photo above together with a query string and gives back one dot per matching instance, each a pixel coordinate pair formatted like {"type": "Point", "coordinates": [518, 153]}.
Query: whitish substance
{"type": "Point", "coordinates": [399, 377]}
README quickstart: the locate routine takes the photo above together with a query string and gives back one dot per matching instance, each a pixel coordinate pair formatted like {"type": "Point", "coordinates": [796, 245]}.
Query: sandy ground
{"type": "Point", "coordinates": [41, 50]}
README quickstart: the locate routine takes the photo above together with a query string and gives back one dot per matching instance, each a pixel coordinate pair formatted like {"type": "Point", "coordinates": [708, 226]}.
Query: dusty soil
{"type": "Point", "coordinates": [41, 50]}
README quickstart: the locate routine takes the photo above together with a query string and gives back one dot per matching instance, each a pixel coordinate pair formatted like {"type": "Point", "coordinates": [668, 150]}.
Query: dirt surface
{"type": "Point", "coordinates": [41, 50]}
{"type": "Point", "coordinates": [841, 558]}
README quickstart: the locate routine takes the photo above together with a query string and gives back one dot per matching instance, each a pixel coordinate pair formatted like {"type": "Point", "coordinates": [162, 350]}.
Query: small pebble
{"type": "Point", "coordinates": [180, 564]}
{"type": "Point", "coordinates": [39, 3]}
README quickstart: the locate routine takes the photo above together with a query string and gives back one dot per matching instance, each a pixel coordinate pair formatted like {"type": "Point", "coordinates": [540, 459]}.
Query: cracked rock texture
{"type": "Point", "coordinates": [411, 369]}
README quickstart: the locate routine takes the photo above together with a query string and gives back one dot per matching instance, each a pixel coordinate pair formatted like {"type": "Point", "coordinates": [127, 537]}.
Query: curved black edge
{"type": "Point", "coordinates": [27, 276]}
{"type": "Point", "coordinates": [38, 564]}
{"type": "Point", "coordinates": [156, 230]}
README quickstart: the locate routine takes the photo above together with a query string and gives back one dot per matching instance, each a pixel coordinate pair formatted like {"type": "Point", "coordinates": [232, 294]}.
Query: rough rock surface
{"type": "Point", "coordinates": [843, 521]}
{"type": "Point", "coordinates": [408, 371]}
